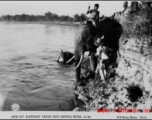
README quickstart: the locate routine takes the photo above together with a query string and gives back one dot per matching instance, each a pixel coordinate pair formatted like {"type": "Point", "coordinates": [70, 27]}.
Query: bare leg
{"type": "Point", "coordinates": [101, 71]}
{"type": "Point", "coordinates": [102, 74]}
{"type": "Point", "coordinates": [94, 23]}
{"type": "Point", "coordinates": [105, 73]}
{"type": "Point", "coordinates": [97, 69]}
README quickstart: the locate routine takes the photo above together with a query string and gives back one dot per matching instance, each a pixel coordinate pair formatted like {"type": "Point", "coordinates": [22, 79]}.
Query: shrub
{"type": "Point", "coordinates": [138, 24]}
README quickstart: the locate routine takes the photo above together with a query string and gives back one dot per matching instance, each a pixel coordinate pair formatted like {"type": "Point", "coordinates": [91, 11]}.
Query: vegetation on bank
{"type": "Point", "coordinates": [128, 84]}
{"type": "Point", "coordinates": [47, 17]}
{"type": "Point", "coordinates": [138, 24]}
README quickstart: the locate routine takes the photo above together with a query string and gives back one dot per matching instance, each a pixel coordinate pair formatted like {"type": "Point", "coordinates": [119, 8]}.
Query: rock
{"type": "Point", "coordinates": [139, 76]}
{"type": "Point", "coordinates": [78, 102]}
{"type": "Point", "coordinates": [79, 109]}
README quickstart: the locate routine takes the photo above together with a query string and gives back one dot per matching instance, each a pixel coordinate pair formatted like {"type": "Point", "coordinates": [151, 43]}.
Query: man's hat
{"type": "Point", "coordinates": [98, 40]}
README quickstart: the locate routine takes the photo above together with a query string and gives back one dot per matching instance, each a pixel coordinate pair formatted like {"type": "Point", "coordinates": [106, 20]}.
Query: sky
{"type": "Point", "coordinates": [59, 7]}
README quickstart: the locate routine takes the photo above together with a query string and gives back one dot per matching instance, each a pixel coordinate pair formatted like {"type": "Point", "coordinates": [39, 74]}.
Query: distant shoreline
{"type": "Point", "coordinates": [73, 24]}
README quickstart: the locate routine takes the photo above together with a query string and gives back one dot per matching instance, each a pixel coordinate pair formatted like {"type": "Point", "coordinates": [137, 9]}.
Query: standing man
{"type": "Point", "coordinates": [94, 14]}
{"type": "Point", "coordinates": [104, 54]}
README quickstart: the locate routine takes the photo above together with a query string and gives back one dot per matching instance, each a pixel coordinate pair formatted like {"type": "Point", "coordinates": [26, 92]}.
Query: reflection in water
{"type": "Point", "coordinates": [29, 74]}
{"type": "Point", "coordinates": [3, 95]}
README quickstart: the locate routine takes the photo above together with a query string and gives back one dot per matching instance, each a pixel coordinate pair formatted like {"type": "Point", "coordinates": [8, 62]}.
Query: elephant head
{"type": "Point", "coordinates": [84, 41]}
{"type": "Point", "coordinates": [65, 56]}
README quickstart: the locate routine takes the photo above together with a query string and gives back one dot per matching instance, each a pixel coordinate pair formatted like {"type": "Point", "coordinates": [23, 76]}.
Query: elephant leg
{"type": "Point", "coordinates": [93, 62]}
{"type": "Point", "coordinates": [77, 71]}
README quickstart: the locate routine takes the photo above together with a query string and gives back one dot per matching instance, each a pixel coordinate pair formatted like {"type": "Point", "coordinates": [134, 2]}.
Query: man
{"type": "Point", "coordinates": [103, 53]}
{"type": "Point", "coordinates": [94, 14]}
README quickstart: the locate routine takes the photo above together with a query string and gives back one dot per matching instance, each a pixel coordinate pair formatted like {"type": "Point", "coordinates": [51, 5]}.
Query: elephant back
{"type": "Point", "coordinates": [112, 32]}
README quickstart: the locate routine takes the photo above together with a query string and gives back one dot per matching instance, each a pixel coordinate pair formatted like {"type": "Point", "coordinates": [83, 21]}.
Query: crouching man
{"type": "Point", "coordinates": [103, 53]}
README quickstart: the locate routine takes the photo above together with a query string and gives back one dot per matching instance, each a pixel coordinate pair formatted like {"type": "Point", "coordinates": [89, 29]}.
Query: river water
{"type": "Point", "coordinates": [29, 74]}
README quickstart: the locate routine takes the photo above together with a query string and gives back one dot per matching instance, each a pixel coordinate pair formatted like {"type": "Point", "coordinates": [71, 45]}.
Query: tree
{"type": "Point", "coordinates": [82, 17]}
{"type": "Point", "coordinates": [49, 16]}
{"type": "Point", "coordinates": [46, 17]}
{"type": "Point", "coordinates": [76, 18]}
{"type": "Point", "coordinates": [23, 17]}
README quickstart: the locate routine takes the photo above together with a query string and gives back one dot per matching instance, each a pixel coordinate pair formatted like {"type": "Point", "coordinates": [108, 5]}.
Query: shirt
{"type": "Point", "coordinates": [94, 14]}
{"type": "Point", "coordinates": [103, 52]}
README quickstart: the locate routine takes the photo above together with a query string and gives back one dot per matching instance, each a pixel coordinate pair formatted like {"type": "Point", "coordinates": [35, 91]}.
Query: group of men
{"type": "Point", "coordinates": [102, 52]}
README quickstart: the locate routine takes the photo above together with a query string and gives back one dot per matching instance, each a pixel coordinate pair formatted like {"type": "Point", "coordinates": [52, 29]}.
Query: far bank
{"type": "Point", "coordinates": [74, 24]}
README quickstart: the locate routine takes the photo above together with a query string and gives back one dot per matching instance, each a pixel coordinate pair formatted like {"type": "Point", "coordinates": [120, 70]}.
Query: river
{"type": "Point", "coordinates": [29, 73]}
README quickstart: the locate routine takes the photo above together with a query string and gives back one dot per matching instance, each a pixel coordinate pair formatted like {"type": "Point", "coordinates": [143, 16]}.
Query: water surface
{"type": "Point", "coordinates": [29, 74]}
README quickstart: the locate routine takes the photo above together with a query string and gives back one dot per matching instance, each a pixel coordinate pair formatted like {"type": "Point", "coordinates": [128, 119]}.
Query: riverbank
{"type": "Point", "coordinates": [73, 24]}
{"type": "Point", "coordinates": [129, 82]}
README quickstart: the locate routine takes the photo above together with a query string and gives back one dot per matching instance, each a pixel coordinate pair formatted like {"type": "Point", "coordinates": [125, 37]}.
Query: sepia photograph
{"type": "Point", "coordinates": [76, 56]}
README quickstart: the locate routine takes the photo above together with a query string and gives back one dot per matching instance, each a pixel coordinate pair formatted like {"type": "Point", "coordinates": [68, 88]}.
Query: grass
{"type": "Point", "coordinates": [138, 24]}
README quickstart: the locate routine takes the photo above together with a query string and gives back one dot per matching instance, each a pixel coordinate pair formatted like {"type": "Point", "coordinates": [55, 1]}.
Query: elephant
{"type": "Point", "coordinates": [65, 56]}
{"type": "Point", "coordinates": [85, 37]}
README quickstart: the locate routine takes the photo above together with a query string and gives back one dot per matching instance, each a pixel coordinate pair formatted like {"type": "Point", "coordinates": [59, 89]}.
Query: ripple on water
{"type": "Point", "coordinates": [28, 71]}
{"type": "Point", "coordinates": [38, 81]}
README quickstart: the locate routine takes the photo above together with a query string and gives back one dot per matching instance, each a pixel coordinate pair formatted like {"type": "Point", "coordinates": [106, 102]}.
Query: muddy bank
{"type": "Point", "coordinates": [129, 82]}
